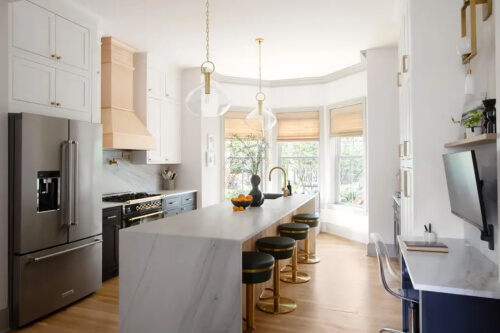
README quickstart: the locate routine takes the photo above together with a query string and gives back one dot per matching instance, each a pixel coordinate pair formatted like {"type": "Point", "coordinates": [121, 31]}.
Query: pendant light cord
{"type": "Point", "coordinates": [208, 31]}
{"type": "Point", "coordinates": [260, 66]}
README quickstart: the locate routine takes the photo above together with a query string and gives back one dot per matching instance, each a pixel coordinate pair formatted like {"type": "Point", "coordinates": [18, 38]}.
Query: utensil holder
{"type": "Point", "coordinates": [169, 184]}
{"type": "Point", "coordinates": [430, 237]}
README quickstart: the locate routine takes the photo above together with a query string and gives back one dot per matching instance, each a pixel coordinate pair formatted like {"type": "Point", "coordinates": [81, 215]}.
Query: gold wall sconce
{"type": "Point", "coordinates": [487, 12]}
{"type": "Point", "coordinates": [125, 157]}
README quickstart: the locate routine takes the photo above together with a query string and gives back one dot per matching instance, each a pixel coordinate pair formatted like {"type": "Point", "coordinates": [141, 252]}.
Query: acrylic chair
{"type": "Point", "coordinates": [385, 263]}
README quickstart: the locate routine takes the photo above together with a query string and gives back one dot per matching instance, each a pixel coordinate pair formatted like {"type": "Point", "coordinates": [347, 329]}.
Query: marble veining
{"type": "Point", "coordinates": [129, 177]}
{"type": "Point", "coordinates": [462, 271]}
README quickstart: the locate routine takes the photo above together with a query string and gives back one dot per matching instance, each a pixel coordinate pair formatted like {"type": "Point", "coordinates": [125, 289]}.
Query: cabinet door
{"type": "Point", "coordinates": [156, 84]}
{"type": "Point", "coordinates": [72, 43]}
{"type": "Point", "coordinates": [110, 243]}
{"type": "Point", "coordinates": [33, 82]}
{"type": "Point", "coordinates": [33, 28]}
{"type": "Point", "coordinates": [172, 88]}
{"type": "Point", "coordinates": [154, 125]}
{"type": "Point", "coordinates": [72, 91]}
{"type": "Point", "coordinates": [407, 202]}
{"type": "Point", "coordinates": [171, 123]}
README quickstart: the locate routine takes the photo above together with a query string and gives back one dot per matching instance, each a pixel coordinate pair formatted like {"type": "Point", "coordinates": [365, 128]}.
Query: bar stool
{"type": "Point", "coordinates": [297, 231]}
{"type": "Point", "coordinates": [257, 268]}
{"type": "Point", "coordinates": [280, 248]}
{"type": "Point", "coordinates": [312, 220]}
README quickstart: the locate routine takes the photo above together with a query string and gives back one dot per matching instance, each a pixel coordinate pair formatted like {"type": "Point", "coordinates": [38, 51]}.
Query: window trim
{"type": "Point", "coordinates": [337, 173]}
{"type": "Point", "coordinates": [332, 149]}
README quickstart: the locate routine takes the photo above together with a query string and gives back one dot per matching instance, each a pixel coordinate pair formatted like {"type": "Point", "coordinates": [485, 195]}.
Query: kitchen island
{"type": "Point", "coordinates": [183, 274]}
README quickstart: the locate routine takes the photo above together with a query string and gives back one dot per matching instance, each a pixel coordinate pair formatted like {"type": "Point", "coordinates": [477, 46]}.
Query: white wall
{"type": "Point", "coordinates": [3, 159]}
{"type": "Point", "coordinates": [382, 126]}
{"type": "Point", "coordinates": [438, 78]}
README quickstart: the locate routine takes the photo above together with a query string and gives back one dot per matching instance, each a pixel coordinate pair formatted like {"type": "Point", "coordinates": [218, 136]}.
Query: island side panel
{"type": "Point", "coordinates": [179, 284]}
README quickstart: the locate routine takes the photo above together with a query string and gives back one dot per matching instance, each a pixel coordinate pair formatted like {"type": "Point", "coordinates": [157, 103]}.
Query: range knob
{"type": "Point", "coordinates": [136, 207]}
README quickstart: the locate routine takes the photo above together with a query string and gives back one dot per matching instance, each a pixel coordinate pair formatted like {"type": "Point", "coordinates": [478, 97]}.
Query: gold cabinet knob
{"type": "Point", "coordinates": [58, 104]}
{"type": "Point", "coordinates": [53, 55]}
{"type": "Point", "coordinates": [58, 58]}
{"type": "Point", "coordinates": [149, 89]}
{"type": "Point", "coordinates": [166, 95]}
{"type": "Point", "coordinates": [53, 103]}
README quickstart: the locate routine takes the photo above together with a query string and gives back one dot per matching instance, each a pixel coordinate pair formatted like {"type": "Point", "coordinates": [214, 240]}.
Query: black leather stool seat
{"type": "Point", "coordinates": [257, 267]}
{"type": "Point", "coordinates": [312, 220]}
{"type": "Point", "coordinates": [297, 231]}
{"type": "Point", "coordinates": [279, 247]}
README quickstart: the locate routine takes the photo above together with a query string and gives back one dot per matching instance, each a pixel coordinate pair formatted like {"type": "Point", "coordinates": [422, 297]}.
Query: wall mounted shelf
{"type": "Point", "coordinates": [474, 141]}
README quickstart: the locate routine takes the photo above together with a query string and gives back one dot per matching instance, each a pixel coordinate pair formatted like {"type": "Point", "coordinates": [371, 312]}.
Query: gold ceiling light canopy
{"type": "Point", "coordinates": [468, 45]}
{"type": "Point", "coordinates": [260, 119]}
{"type": "Point", "coordinates": [207, 100]}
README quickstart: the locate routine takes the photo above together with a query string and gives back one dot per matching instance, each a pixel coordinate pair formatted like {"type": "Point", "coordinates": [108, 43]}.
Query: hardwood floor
{"type": "Point", "coordinates": [344, 296]}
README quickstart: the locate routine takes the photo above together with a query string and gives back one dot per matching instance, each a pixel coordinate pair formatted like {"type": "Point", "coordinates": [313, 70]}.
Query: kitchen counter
{"type": "Point", "coordinates": [183, 274]}
{"type": "Point", "coordinates": [162, 192]}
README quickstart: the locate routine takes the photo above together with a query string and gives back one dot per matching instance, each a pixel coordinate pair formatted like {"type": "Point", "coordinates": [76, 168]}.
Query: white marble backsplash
{"type": "Point", "coordinates": [129, 177]}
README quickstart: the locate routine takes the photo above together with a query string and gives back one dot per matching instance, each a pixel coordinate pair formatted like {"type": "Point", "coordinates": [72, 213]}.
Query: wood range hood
{"type": "Point", "coordinates": [122, 129]}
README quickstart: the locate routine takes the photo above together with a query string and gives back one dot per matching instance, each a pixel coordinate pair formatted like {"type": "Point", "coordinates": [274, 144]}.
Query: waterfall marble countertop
{"type": "Point", "coordinates": [221, 222]}
{"type": "Point", "coordinates": [462, 271]}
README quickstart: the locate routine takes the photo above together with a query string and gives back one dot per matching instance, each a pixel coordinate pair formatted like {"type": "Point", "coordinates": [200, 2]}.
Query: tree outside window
{"type": "Point", "coordinates": [300, 159]}
{"type": "Point", "coordinates": [350, 171]}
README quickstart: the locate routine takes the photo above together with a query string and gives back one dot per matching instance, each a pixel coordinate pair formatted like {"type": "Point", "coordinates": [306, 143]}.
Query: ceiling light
{"type": "Point", "coordinates": [260, 119]}
{"type": "Point", "coordinates": [207, 100]}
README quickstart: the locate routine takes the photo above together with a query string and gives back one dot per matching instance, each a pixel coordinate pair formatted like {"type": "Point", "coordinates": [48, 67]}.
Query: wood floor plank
{"type": "Point", "coordinates": [344, 296]}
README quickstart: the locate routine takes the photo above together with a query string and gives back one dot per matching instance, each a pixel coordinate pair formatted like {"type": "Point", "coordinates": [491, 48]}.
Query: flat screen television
{"type": "Point", "coordinates": [465, 191]}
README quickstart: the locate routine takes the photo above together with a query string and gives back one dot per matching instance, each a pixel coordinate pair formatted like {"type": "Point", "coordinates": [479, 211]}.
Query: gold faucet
{"type": "Point", "coordinates": [284, 189]}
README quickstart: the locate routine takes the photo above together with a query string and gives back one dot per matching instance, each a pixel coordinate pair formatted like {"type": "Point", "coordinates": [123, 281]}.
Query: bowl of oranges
{"type": "Point", "coordinates": [241, 202]}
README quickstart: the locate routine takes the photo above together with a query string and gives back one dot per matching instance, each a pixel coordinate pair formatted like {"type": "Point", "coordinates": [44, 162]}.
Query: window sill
{"type": "Point", "coordinates": [347, 208]}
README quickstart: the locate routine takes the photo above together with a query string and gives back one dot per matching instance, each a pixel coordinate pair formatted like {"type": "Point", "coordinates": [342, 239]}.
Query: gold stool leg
{"type": "Point", "coordinates": [276, 304]}
{"type": "Point", "coordinates": [250, 320]}
{"type": "Point", "coordinates": [309, 258]}
{"type": "Point", "coordinates": [293, 275]}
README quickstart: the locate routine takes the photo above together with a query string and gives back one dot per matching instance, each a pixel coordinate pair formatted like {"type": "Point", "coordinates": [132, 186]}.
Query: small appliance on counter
{"type": "Point", "coordinates": [55, 229]}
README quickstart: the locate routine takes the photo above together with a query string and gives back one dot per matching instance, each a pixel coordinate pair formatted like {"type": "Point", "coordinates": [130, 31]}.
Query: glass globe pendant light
{"type": "Point", "coordinates": [207, 100]}
{"type": "Point", "coordinates": [260, 119]}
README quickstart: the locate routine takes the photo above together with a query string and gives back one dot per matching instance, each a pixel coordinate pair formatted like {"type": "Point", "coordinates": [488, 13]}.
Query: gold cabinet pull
{"type": "Point", "coordinates": [407, 191]}
{"type": "Point", "coordinates": [53, 55]}
{"type": "Point", "coordinates": [400, 180]}
{"type": "Point", "coordinates": [407, 148]}
{"type": "Point", "coordinates": [405, 64]}
{"type": "Point", "coordinates": [111, 217]}
{"type": "Point", "coordinates": [53, 103]}
{"type": "Point", "coordinates": [399, 79]}
{"type": "Point", "coordinates": [58, 104]}
{"type": "Point", "coordinates": [58, 57]}
{"type": "Point", "coordinates": [400, 148]}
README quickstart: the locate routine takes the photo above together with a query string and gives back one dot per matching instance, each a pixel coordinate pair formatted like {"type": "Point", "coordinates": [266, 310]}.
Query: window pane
{"type": "Point", "coordinates": [350, 171]}
{"type": "Point", "coordinates": [300, 160]}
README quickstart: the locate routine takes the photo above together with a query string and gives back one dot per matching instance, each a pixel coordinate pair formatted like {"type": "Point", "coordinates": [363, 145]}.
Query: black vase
{"type": "Point", "coordinates": [490, 115]}
{"type": "Point", "coordinates": [258, 197]}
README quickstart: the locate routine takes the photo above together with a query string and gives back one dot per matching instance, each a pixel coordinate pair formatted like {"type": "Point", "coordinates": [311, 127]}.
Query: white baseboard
{"type": "Point", "coordinates": [344, 232]}
{"type": "Point", "coordinates": [372, 252]}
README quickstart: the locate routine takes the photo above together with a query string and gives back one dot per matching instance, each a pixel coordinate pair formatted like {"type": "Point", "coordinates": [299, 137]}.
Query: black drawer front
{"type": "Point", "coordinates": [189, 199]}
{"type": "Point", "coordinates": [172, 202]}
{"type": "Point", "coordinates": [186, 209]}
{"type": "Point", "coordinates": [111, 214]}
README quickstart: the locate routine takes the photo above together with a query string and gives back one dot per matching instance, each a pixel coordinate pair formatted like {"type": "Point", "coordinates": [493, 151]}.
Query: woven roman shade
{"type": "Point", "coordinates": [235, 125]}
{"type": "Point", "coordinates": [298, 126]}
{"type": "Point", "coordinates": [347, 121]}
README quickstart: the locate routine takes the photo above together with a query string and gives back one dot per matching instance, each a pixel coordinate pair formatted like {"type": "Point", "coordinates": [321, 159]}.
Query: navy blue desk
{"type": "Point", "coordinates": [459, 291]}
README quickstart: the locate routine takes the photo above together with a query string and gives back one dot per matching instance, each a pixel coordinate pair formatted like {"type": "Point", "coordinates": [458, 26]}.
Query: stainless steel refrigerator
{"type": "Point", "coordinates": [55, 216]}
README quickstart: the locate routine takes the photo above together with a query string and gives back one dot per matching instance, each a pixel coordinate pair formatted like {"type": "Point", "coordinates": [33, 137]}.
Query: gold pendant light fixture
{"type": "Point", "coordinates": [207, 100]}
{"type": "Point", "coordinates": [260, 119]}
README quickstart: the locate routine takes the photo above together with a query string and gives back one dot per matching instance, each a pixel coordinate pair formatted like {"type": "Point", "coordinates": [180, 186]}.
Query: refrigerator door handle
{"type": "Point", "coordinates": [75, 184]}
{"type": "Point", "coordinates": [37, 259]}
{"type": "Point", "coordinates": [69, 215]}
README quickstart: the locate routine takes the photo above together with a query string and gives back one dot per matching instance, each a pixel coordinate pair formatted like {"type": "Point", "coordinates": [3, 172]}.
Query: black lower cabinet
{"type": "Point", "coordinates": [111, 225]}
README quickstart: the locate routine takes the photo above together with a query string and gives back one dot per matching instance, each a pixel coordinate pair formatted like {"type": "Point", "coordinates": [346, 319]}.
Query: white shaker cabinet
{"type": "Point", "coordinates": [157, 104]}
{"type": "Point", "coordinates": [33, 29]}
{"type": "Point", "coordinates": [72, 43]}
{"type": "Point", "coordinates": [53, 61]}
{"type": "Point", "coordinates": [33, 82]}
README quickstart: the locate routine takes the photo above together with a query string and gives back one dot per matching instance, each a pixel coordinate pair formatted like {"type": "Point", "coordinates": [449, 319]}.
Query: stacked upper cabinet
{"type": "Point", "coordinates": [157, 103]}
{"type": "Point", "coordinates": [405, 117]}
{"type": "Point", "coordinates": [53, 60]}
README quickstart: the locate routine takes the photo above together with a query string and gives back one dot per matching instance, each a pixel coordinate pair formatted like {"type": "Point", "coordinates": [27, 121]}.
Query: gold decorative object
{"type": "Point", "coordinates": [472, 5]}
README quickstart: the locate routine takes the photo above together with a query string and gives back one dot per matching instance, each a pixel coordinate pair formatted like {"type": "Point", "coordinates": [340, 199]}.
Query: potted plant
{"type": "Point", "coordinates": [472, 121]}
{"type": "Point", "coordinates": [248, 155]}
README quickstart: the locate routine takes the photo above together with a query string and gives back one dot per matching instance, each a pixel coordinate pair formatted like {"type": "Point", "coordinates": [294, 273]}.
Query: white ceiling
{"type": "Point", "coordinates": [303, 38]}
